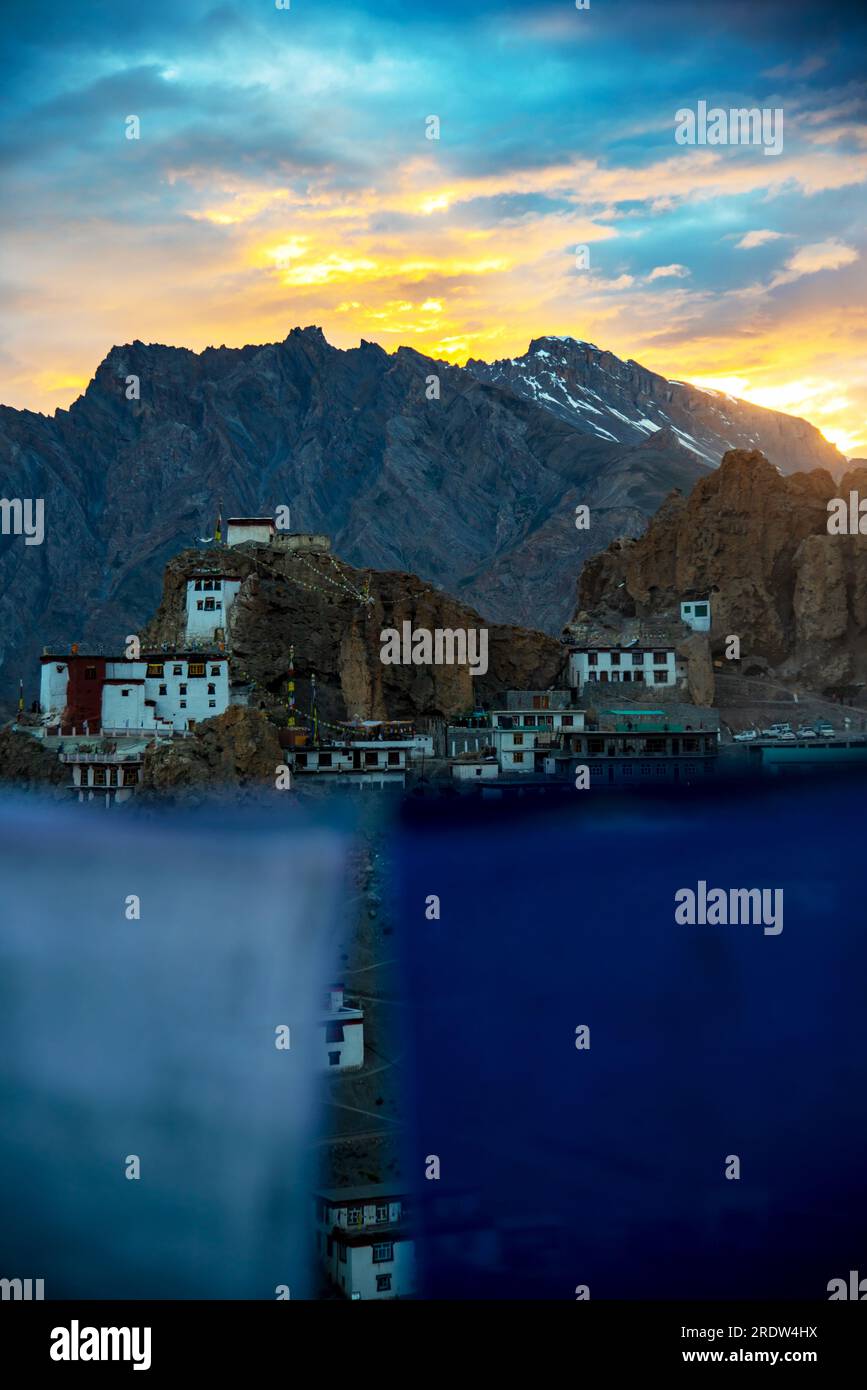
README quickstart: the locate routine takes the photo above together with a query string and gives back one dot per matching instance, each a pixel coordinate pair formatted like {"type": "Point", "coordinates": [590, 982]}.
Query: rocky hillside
{"type": "Point", "coordinates": [475, 491]}
{"type": "Point", "coordinates": [758, 544]}
{"type": "Point", "coordinates": [600, 395]}
{"type": "Point", "coordinates": [321, 605]}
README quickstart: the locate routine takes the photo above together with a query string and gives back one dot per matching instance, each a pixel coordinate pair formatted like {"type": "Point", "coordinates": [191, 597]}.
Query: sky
{"type": "Point", "coordinates": [283, 176]}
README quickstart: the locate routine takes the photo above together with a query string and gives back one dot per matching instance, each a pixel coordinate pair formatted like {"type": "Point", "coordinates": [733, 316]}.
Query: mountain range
{"type": "Point", "coordinates": [466, 476]}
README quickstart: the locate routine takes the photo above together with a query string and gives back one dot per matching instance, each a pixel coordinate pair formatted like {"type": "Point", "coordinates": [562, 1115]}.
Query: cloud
{"type": "Point", "coordinates": [822, 255]}
{"type": "Point", "coordinates": [668, 272]}
{"type": "Point", "coordinates": [758, 238]}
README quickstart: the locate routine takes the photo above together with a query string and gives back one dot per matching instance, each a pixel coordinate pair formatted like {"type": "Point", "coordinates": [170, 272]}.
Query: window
{"type": "Point", "coordinates": [124, 692]}
{"type": "Point", "coordinates": [130, 777]}
{"type": "Point", "coordinates": [371, 759]}
{"type": "Point", "coordinates": [334, 1059]}
{"type": "Point", "coordinates": [354, 1216]}
{"type": "Point", "coordinates": [541, 702]}
{"type": "Point", "coordinates": [638, 658]}
{"type": "Point", "coordinates": [592, 659]}
{"type": "Point", "coordinates": [646, 769]}
{"type": "Point", "coordinates": [700, 610]}
{"type": "Point", "coordinates": [334, 1032]}
{"type": "Point", "coordinates": [596, 745]}
{"type": "Point", "coordinates": [300, 759]}
{"type": "Point", "coordinates": [196, 668]}
{"type": "Point", "coordinates": [200, 605]}
{"type": "Point", "coordinates": [183, 704]}
{"type": "Point", "coordinates": [517, 757]}
{"type": "Point", "coordinates": [99, 776]}
{"type": "Point", "coordinates": [89, 672]}
{"type": "Point", "coordinates": [383, 1254]}
{"type": "Point", "coordinates": [627, 769]}
{"type": "Point", "coordinates": [176, 671]}
{"type": "Point", "coordinates": [383, 1283]}
{"type": "Point", "coordinates": [198, 587]}
{"type": "Point", "coordinates": [155, 669]}
{"type": "Point", "coordinates": [638, 675]}
{"type": "Point", "coordinates": [394, 758]}
{"type": "Point", "coordinates": [381, 1212]}
{"type": "Point", "coordinates": [209, 608]}
{"type": "Point", "coordinates": [517, 740]}
{"type": "Point", "coordinates": [217, 603]}
{"type": "Point", "coordinates": [567, 721]}
{"type": "Point", "coordinates": [615, 658]}
{"type": "Point", "coordinates": [325, 760]}
{"type": "Point", "coordinates": [215, 670]}
{"type": "Point", "coordinates": [660, 658]}
{"type": "Point", "coordinates": [164, 690]}
{"type": "Point", "coordinates": [660, 769]}
{"type": "Point", "coordinates": [212, 704]}
{"type": "Point", "coordinates": [182, 689]}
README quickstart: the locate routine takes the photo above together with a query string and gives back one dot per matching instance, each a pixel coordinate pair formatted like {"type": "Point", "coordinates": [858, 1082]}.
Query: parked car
{"type": "Point", "coordinates": [746, 735]}
{"type": "Point", "coordinates": [823, 728]}
{"type": "Point", "coordinates": [770, 733]}
{"type": "Point", "coordinates": [807, 731]}
{"type": "Point", "coordinates": [787, 733]}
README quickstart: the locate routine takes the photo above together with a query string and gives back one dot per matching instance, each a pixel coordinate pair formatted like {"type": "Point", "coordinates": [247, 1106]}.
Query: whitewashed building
{"type": "Point", "coordinates": [475, 770]}
{"type": "Point", "coordinates": [695, 612]}
{"type": "Point", "coordinates": [175, 690]}
{"type": "Point", "coordinates": [164, 693]}
{"type": "Point", "coordinates": [250, 528]}
{"type": "Point", "coordinates": [527, 725]}
{"type": "Point", "coordinates": [637, 665]}
{"type": "Point", "coordinates": [209, 603]}
{"type": "Point", "coordinates": [111, 778]}
{"type": "Point", "coordinates": [363, 1242]}
{"type": "Point", "coordinates": [342, 1033]}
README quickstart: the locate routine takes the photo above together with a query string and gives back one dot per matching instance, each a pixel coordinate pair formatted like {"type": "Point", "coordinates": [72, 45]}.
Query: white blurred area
{"type": "Point", "coordinates": [156, 1038]}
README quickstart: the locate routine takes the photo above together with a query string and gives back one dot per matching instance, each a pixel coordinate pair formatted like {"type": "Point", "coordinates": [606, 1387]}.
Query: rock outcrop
{"type": "Point", "coordinates": [333, 615]}
{"type": "Point", "coordinates": [757, 544]}
{"type": "Point", "coordinates": [236, 750]}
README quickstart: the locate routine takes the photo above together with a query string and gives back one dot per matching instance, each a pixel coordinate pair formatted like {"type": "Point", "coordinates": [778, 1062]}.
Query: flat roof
{"type": "Point", "coordinates": [339, 1196]}
{"type": "Point", "coordinates": [250, 521]}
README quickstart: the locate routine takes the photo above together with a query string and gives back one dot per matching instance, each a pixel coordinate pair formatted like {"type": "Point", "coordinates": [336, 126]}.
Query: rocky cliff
{"type": "Point", "coordinates": [333, 614]}
{"type": "Point", "coordinates": [758, 544]}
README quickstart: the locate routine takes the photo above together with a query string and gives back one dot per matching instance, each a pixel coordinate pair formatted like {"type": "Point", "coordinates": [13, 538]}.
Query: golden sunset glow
{"type": "Point", "coordinates": [260, 199]}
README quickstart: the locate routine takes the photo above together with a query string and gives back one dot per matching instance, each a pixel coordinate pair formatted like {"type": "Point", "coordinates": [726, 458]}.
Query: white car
{"type": "Point", "coordinates": [807, 732]}
{"type": "Point", "coordinates": [745, 736]}
{"type": "Point", "coordinates": [787, 733]}
{"type": "Point", "coordinates": [770, 733]}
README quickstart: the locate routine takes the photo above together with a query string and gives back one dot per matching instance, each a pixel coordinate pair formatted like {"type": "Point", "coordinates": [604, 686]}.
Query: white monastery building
{"type": "Point", "coordinates": [695, 612]}
{"type": "Point", "coordinates": [250, 528]}
{"type": "Point", "coordinates": [363, 1242]}
{"type": "Point", "coordinates": [209, 602]}
{"type": "Point", "coordinates": [342, 1033]}
{"type": "Point", "coordinates": [639, 665]}
{"type": "Point", "coordinates": [162, 693]}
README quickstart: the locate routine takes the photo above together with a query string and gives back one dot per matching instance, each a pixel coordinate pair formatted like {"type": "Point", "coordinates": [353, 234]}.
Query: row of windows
{"type": "Point", "coordinates": [113, 777]}
{"type": "Point", "coordinates": [157, 669]}
{"type": "Point", "coordinates": [655, 677]}
{"type": "Point", "coordinates": [208, 584]}
{"type": "Point", "coordinates": [636, 658]}
{"type": "Point", "coordinates": [208, 605]}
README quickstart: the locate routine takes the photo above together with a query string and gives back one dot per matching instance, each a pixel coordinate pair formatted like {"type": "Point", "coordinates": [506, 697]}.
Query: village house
{"type": "Point", "coordinates": [110, 777]}
{"type": "Point", "coordinates": [532, 720]}
{"type": "Point", "coordinates": [634, 662]}
{"type": "Point", "coordinates": [363, 1242]}
{"type": "Point", "coordinates": [342, 1032]}
{"type": "Point", "coordinates": [641, 746]}
{"type": "Point", "coordinates": [695, 612]}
